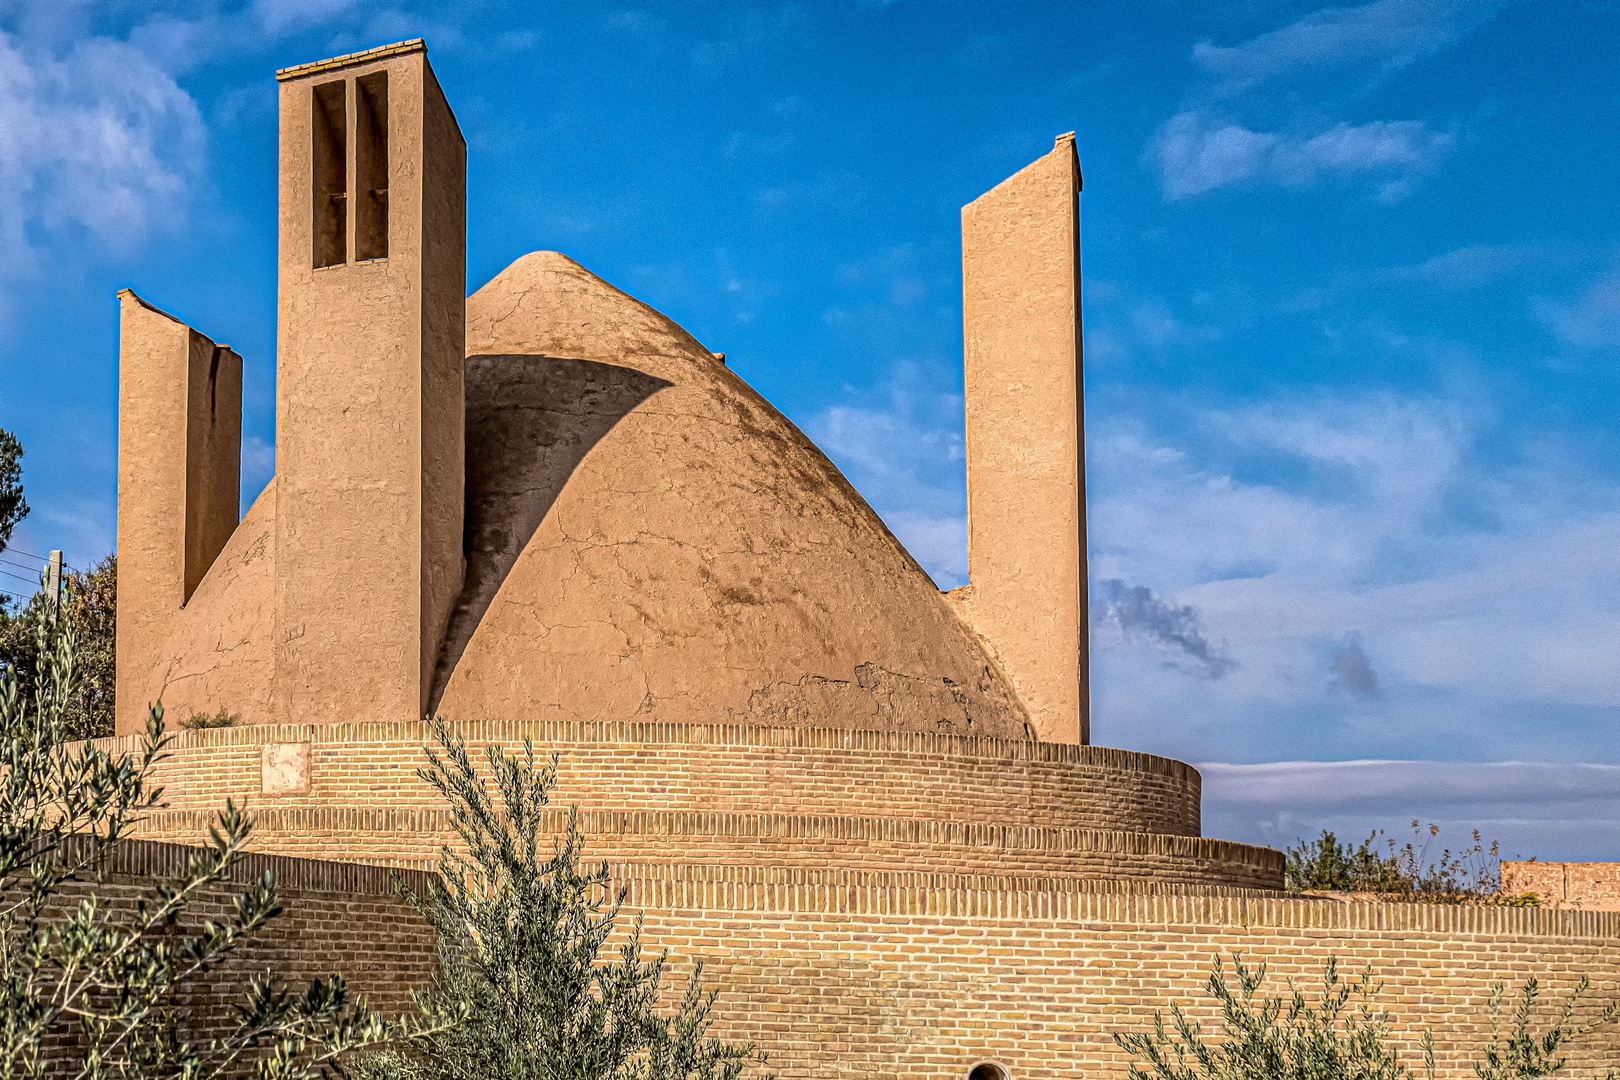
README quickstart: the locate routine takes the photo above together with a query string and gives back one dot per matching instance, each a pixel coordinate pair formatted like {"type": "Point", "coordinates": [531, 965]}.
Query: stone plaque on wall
{"type": "Point", "coordinates": [284, 769]}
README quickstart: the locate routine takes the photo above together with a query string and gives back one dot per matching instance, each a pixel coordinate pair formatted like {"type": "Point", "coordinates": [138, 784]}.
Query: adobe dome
{"type": "Point", "coordinates": [647, 536]}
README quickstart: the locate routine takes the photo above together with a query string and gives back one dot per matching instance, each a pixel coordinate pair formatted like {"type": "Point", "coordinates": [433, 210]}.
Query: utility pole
{"type": "Point", "coordinates": [53, 585]}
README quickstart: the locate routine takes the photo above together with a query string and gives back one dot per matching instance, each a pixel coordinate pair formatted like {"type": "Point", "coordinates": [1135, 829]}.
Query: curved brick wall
{"type": "Point", "coordinates": [921, 982]}
{"type": "Point", "coordinates": [413, 838]}
{"type": "Point", "coordinates": [744, 770]}
{"type": "Point", "coordinates": [706, 798]}
{"type": "Point", "coordinates": [918, 976]}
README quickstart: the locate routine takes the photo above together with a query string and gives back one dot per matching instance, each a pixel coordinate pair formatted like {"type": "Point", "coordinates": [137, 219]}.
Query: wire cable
{"type": "Point", "coordinates": [13, 551]}
{"type": "Point", "coordinates": [19, 577]}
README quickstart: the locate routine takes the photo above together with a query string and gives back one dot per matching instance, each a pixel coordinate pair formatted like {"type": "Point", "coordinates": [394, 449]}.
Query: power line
{"type": "Point", "coordinates": [14, 551]}
{"type": "Point", "coordinates": [19, 551]}
{"type": "Point", "coordinates": [18, 565]}
{"type": "Point", "coordinates": [19, 577]}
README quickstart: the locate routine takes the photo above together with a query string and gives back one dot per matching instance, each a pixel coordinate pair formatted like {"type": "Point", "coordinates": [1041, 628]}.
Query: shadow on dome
{"type": "Point", "coordinates": [530, 422]}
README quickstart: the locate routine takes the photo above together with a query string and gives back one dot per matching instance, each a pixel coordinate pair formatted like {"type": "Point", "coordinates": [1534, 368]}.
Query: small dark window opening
{"type": "Point", "coordinates": [331, 175]}
{"type": "Point", "coordinates": [987, 1071]}
{"type": "Point", "coordinates": [371, 166]}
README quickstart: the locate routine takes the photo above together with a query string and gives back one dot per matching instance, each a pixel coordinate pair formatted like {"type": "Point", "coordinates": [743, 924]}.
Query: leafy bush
{"type": "Point", "coordinates": [90, 606]}
{"type": "Point", "coordinates": [525, 990]}
{"type": "Point", "coordinates": [1514, 1053]}
{"type": "Point", "coordinates": [1472, 875]}
{"type": "Point", "coordinates": [97, 991]}
{"type": "Point", "coordinates": [1342, 1037]}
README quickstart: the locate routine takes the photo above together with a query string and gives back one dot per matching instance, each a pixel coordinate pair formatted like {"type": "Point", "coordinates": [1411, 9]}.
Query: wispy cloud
{"type": "Point", "coordinates": [280, 16]}
{"type": "Point", "coordinates": [1592, 321]}
{"type": "Point", "coordinates": [1553, 811]}
{"type": "Point", "coordinates": [1378, 587]}
{"type": "Point", "coordinates": [1205, 147]}
{"type": "Point", "coordinates": [96, 142]}
{"type": "Point", "coordinates": [1390, 34]}
{"type": "Point", "coordinates": [1195, 153]}
{"type": "Point", "coordinates": [1464, 268]}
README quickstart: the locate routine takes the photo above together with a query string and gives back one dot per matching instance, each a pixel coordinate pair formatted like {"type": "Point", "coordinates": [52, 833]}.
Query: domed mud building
{"type": "Point", "coordinates": [548, 512]}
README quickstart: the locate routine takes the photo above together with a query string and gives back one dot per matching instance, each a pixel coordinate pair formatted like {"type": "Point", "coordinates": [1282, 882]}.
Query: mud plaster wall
{"type": "Point", "coordinates": [703, 562]}
{"type": "Point", "coordinates": [369, 414]}
{"type": "Point", "coordinates": [180, 407]}
{"type": "Point", "coordinates": [218, 649]}
{"type": "Point", "coordinates": [645, 537]}
{"type": "Point", "coordinates": [1025, 438]}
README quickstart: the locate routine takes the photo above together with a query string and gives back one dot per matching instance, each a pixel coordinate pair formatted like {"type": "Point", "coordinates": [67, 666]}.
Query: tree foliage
{"type": "Point", "coordinates": [523, 927]}
{"type": "Point", "coordinates": [93, 989]}
{"type": "Point", "coordinates": [13, 507]}
{"type": "Point", "coordinates": [1344, 1036]}
{"type": "Point", "coordinates": [90, 608]}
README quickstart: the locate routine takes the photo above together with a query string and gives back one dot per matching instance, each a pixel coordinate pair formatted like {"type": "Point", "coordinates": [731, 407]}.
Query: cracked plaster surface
{"type": "Point", "coordinates": [693, 555]}
{"type": "Point", "coordinates": [645, 536]}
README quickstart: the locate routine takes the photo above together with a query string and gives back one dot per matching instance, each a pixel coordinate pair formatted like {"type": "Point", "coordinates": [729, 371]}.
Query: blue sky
{"type": "Point", "coordinates": [1352, 319]}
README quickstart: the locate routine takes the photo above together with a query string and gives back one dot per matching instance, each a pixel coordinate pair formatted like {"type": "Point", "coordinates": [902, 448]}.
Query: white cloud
{"type": "Point", "coordinates": [1388, 33]}
{"type": "Point", "coordinates": [280, 16]}
{"type": "Point", "coordinates": [258, 468]}
{"type": "Point", "coordinates": [98, 140]}
{"type": "Point", "coordinates": [1552, 811]}
{"type": "Point", "coordinates": [1465, 268]}
{"type": "Point", "coordinates": [1592, 321]}
{"type": "Point", "coordinates": [1196, 153]}
{"type": "Point", "coordinates": [1376, 589]}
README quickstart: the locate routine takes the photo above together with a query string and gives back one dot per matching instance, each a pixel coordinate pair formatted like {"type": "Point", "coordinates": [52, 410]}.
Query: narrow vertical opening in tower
{"type": "Point", "coordinates": [371, 167]}
{"type": "Point", "coordinates": [331, 174]}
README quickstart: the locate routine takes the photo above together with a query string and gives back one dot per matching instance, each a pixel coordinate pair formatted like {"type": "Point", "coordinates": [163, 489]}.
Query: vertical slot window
{"type": "Point", "coordinates": [371, 166]}
{"type": "Point", "coordinates": [331, 175]}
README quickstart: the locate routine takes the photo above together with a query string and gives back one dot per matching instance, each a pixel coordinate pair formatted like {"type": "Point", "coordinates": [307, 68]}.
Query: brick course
{"type": "Point", "coordinates": [688, 767]}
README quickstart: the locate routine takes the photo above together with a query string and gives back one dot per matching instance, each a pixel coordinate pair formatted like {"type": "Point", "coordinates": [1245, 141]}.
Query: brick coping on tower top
{"type": "Point", "coordinates": [365, 56]}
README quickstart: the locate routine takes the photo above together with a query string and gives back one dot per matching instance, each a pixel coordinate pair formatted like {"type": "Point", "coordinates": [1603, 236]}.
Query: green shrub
{"type": "Point", "coordinates": [1343, 1036]}
{"type": "Point", "coordinates": [525, 990]}
{"type": "Point", "coordinates": [201, 721]}
{"type": "Point", "coordinates": [1472, 875]}
{"type": "Point", "coordinates": [97, 991]}
{"type": "Point", "coordinates": [1515, 1053]}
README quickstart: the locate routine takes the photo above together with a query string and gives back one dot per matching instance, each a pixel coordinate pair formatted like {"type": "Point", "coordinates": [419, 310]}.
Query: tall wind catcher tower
{"type": "Point", "coordinates": [369, 396]}
{"type": "Point", "coordinates": [1026, 443]}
